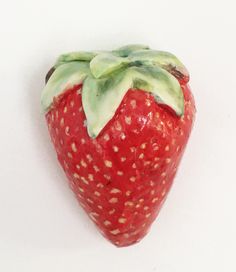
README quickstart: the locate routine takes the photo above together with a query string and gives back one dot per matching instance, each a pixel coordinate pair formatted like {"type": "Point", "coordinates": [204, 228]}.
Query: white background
{"type": "Point", "coordinates": [42, 228]}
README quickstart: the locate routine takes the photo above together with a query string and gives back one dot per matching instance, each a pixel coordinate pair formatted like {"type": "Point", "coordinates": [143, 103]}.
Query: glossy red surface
{"type": "Point", "coordinates": [122, 177]}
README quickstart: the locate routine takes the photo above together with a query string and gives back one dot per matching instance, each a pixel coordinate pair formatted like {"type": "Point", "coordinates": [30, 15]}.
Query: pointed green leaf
{"type": "Point", "coordinates": [76, 56]}
{"type": "Point", "coordinates": [63, 78]}
{"type": "Point", "coordinates": [160, 58]}
{"type": "Point", "coordinates": [102, 97]}
{"type": "Point", "coordinates": [128, 49]}
{"type": "Point", "coordinates": [165, 87]}
{"type": "Point", "coordinates": [105, 64]}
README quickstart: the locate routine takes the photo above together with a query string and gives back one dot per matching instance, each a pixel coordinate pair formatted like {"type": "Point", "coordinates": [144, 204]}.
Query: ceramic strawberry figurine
{"type": "Point", "coordinates": [119, 122]}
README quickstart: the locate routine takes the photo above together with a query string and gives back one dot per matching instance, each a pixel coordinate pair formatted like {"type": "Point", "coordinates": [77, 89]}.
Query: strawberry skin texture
{"type": "Point", "coordinates": [122, 177]}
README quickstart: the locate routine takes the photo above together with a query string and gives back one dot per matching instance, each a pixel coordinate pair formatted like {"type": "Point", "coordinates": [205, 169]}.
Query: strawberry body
{"type": "Point", "coordinates": [122, 177]}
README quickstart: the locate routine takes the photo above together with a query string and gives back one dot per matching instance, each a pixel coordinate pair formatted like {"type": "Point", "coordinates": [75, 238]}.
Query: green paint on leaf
{"type": "Point", "coordinates": [105, 64]}
{"type": "Point", "coordinates": [158, 58]}
{"type": "Point", "coordinates": [124, 51]}
{"type": "Point", "coordinates": [64, 77]}
{"type": "Point", "coordinates": [107, 76]}
{"type": "Point", "coordinates": [75, 56]}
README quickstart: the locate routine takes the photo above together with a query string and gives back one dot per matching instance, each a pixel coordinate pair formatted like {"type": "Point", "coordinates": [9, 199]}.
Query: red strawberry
{"type": "Point", "coordinates": [120, 166]}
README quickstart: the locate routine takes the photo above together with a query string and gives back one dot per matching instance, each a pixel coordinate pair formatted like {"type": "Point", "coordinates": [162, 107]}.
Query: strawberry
{"type": "Point", "coordinates": [119, 122]}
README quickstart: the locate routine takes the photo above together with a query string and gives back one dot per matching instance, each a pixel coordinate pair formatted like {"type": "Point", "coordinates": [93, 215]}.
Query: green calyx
{"type": "Point", "coordinates": [107, 76]}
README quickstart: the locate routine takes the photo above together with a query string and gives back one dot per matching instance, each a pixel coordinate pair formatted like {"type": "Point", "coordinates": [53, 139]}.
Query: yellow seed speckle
{"type": "Point", "coordinates": [168, 160]}
{"type": "Point", "coordinates": [163, 193]}
{"type": "Point", "coordinates": [62, 122]}
{"type": "Point", "coordinates": [81, 189]}
{"type": "Point", "coordinates": [145, 208]}
{"type": "Point", "coordinates": [152, 183]}
{"type": "Point", "coordinates": [89, 157]}
{"type": "Point", "coordinates": [122, 220]}
{"type": "Point", "coordinates": [97, 193]}
{"type": "Point", "coordinates": [129, 203]}
{"type": "Point", "coordinates": [72, 103]}
{"type": "Point", "coordinates": [147, 215]}
{"type": "Point", "coordinates": [148, 102]}
{"type": "Point", "coordinates": [118, 126]}
{"type": "Point", "coordinates": [167, 148]}
{"type": "Point", "coordinates": [122, 135]}
{"type": "Point", "coordinates": [134, 165]}
{"type": "Point", "coordinates": [141, 156]}
{"type": "Point", "coordinates": [67, 129]}
{"type": "Point", "coordinates": [115, 148]}
{"type": "Point", "coordinates": [143, 145]}
{"type": "Point", "coordinates": [84, 180]}
{"type": "Point", "coordinates": [77, 166]}
{"type": "Point", "coordinates": [100, 185]}
{"type": "Point", "coordinates": [73, 147]}
{"type": "Point", "coordinates": [69, 155]}
{"type": "Point", "coordinates": [100, 207]}
{"type": "Point", "coordinates": [108, 163]}
{"type": "Point", "coordinates": [107, 223]}
{"type": "Point", "coordinates": [90, 177]}
{"type": "Point", "coordinates": [132, 149]}
{"type": "Point", "coordinates": [132, 179]}
{"type": "Point", "coordinates": [66, 165]}
{"type": "Point", "coordinates": [82, 141]}
{"type": "Point", "coordinates": [133, 103]}
{"type": "Point", "coordinates": [115, 191]}
{"type": "Point", "coordinates": [119, 173]}
{"type": "Point", "coordinates": [152, 192]}
{"type": "Point", "coordinates": [155, 199]}
{"type": "Point", "coordinates": [96, 168]}
{"type": "Point", "coordinates": [113, 200]}
{"type": "Point", "coordinates": [163, 174]}
{"type": "Point", "coordinates": [128, 193]}
{"type": "Point", "coordinates": [128, 120]}
{"type": "Point", "coordinates": [112, 211]}
{"type": "Point", "coordinates": [107, 177]}
{"type": "Point", "coordinates": [93, 216]}
{"type": "Point", "coordinates": [90, 201]}
{"type": "Point", "coordinates": [115, 232]}
{"type": "Point", "coordinates": [76, 175]}
{"type": "Point", "coordinates": [106, 137]}
{"type": "Point", "coordinates": [123, 159]}
{"type": "Point", "coordinates": [83, 163]}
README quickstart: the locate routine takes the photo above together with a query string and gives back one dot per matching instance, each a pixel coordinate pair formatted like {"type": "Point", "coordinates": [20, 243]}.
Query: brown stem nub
{"type": "Point", "coordinates": [50, 72]}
